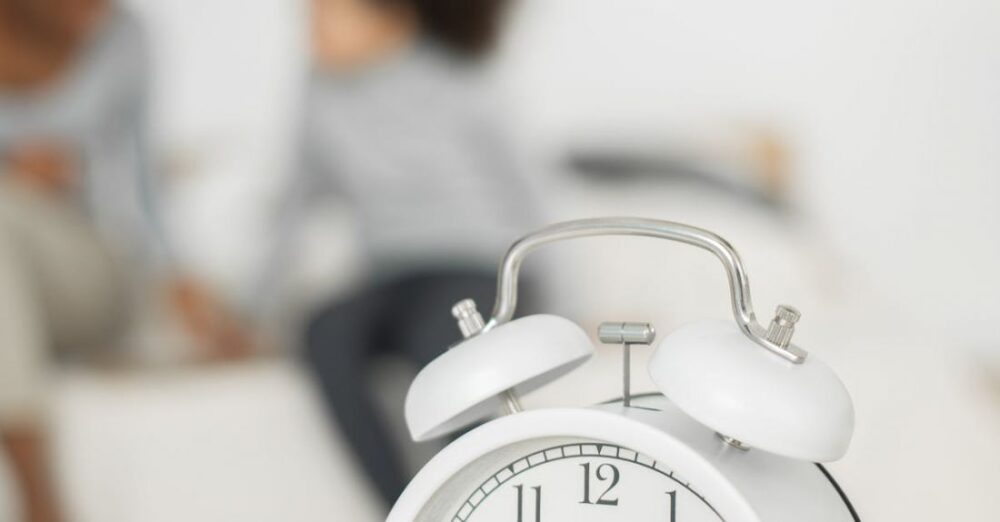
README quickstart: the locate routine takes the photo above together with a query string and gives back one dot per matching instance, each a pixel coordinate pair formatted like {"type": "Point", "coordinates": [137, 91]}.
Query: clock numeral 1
{"type": "Point", "coordinates": [673, 505]}
{"type": "Point", "coordinates": [520, 503]}
{"type": "Point", "coordinates": [604, 472]}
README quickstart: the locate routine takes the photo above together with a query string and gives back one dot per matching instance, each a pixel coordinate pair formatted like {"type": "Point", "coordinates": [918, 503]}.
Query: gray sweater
{"type": "Point", "coordinates": [414, 147]}
{"type": "Point", "coordinates": [98, 107]}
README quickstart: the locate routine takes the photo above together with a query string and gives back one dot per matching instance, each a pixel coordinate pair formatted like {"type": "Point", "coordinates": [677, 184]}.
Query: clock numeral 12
{"type": "Point", "coordinates": [520, 503]}
{"type": "Point", "coordinates": [613, 475]}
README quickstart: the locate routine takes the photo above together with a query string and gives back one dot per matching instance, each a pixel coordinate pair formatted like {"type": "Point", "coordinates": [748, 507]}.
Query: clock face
{"type": "Point", "coordinates": [575, 481]}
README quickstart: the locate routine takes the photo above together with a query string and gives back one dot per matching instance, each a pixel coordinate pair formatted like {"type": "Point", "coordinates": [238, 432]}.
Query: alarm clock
{"type": "Point", "coordinates": [738, 432]}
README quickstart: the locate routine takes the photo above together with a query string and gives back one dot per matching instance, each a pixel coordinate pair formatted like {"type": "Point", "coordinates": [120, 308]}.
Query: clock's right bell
{"type": "Point", "coordinates": [724, 380]}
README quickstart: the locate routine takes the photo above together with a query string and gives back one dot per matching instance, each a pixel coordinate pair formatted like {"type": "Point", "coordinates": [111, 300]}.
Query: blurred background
{"type": "Point", "coordinates": [231, 231]}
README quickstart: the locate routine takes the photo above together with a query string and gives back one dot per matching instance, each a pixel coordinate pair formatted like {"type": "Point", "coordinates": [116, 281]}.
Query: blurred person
{"type": "Point", "coordinates": [78, 231]}
{"type": "Point", "coordinates": [398, 126]}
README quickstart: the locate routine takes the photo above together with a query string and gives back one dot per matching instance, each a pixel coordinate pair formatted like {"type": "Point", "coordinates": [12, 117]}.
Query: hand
{"type": "Point", "coordinates": [44, 166]}
{"type": "Point", "coordinates": [221, 335]}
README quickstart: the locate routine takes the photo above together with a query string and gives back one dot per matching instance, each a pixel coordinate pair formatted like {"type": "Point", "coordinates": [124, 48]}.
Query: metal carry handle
{"type": "Point", "coordinates": [776, 338]}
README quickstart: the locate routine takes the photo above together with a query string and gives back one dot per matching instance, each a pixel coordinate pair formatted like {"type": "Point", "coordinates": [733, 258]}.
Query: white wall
{"type": "Point", "coordinates": [893, 110]}
{"type": "Point", "coordinates": [227, 79]}
{"type": "Point", "coordinates": [892, 106]}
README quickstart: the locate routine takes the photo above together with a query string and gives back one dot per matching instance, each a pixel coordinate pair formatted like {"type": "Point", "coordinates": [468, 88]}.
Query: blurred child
{"type": "Point", "coordinates": [396, 126]}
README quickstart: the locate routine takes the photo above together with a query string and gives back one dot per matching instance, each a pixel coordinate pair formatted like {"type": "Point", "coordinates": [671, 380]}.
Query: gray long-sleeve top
{"type": "Point", "coordinates": [98, 107]}
{"type": "Point", "coordinates": [416, 149]}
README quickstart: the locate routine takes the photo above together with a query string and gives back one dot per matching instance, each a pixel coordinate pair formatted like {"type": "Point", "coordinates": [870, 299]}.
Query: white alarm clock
{"type": "Point", "coordinates": [744, 418]}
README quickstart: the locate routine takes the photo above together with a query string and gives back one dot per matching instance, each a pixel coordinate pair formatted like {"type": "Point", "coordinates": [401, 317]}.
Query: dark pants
{"type": "Point", "coordinates": [409, 317]}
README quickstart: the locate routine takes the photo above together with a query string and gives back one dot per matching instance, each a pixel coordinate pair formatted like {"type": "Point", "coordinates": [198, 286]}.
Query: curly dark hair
{"type": "Point", "coordinates": [469, 27]}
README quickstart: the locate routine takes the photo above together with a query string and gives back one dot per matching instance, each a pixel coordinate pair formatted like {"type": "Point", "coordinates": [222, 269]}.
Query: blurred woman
{"type": "Point", "coordinates": [397, 126]}
{"type": "Point", "coordinates": [72, 88]}
{"type": "Point", "coordinates": [77, 227]}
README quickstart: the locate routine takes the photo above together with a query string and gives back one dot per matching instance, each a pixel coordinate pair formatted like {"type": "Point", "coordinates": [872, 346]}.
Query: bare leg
{"type": "Point", "coordinates": [26, 448]}
{"type": "Point", "coordinates": [24, 354]}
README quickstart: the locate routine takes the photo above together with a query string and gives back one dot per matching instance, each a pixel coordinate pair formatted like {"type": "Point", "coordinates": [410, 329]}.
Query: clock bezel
{"type": "Point", "coordinates": [744, 486]}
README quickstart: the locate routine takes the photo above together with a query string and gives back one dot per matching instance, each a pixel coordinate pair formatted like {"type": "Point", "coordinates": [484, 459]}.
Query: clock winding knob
{"type": "Point", "coordinates": [470, 321]}
{"type": "Point", "coordinates": [783, 325]}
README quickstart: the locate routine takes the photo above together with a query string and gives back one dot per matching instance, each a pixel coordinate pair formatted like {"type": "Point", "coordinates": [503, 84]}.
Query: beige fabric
{"type": "Point", "coordinates": [60, 295]}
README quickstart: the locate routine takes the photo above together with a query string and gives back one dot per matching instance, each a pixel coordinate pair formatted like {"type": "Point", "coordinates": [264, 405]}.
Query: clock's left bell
{"type": "Point", "coordinates": [464, 384]}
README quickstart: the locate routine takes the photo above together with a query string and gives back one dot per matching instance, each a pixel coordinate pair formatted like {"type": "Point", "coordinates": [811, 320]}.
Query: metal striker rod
{"type": "Point", "coordinates": [626, 334]}
{"type": "Point", "coordinates": [627, 375]}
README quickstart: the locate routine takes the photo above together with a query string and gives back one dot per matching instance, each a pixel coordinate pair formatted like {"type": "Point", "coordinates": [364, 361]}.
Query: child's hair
{"type": "Point", "coordinates": [468, 27]}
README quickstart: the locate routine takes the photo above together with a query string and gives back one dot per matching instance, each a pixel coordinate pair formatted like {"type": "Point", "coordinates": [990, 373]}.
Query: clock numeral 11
{"type": "Point", "coordinates": [520, 503]}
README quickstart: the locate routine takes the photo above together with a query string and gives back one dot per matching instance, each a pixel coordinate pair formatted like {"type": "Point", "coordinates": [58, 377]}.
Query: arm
{"type": "Point", "coordinates": [147, 185]}
{"type": "Point", "coordinates": [306, 183]}
{"type": "Point", "coordinates": [205, 317]}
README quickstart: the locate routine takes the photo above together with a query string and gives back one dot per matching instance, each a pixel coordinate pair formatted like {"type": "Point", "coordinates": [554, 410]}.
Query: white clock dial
{"type": "Point", "coordinates": [582, 481]}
